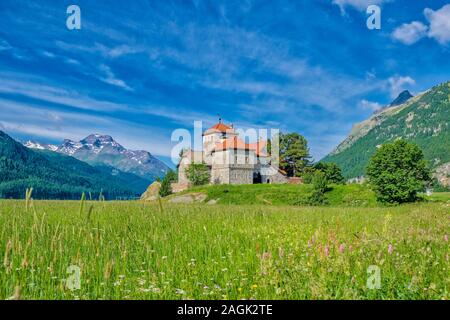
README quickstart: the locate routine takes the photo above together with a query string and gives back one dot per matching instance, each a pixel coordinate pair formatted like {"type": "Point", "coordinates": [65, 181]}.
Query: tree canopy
{"type": "Point", "coordinates": [331, 170]}
{"type": "Point", "coordinates": [294, 154]}
{"type": "Point", "coordinates": [397, 172]}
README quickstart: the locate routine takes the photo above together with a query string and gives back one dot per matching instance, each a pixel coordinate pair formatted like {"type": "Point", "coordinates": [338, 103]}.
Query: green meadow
{"type": "Point", "coordinates": [136, 250]}
{"type": "Point", "coordinates": [285, 194]}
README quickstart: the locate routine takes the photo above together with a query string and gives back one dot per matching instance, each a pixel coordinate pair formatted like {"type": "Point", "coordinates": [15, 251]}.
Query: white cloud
{"type": "Point", "coordinates": [4, 45]}
{"type": "Point", "coordinates": [439, 24]}
{"type": "Point", "coordinates": [111, 79]}
{"type": "Point", "coordinates": [360, 5]}
{"type": "Point", "coordinates": [397, 84]}
{"type": "Point", "coordinates": [369, 105]}
{"type": "Point", "coordinates": [48, 54]}
{"type": "Point", "coordinates": [31, 87]}
{"type": "Point", "coordinates": [104, 51]}
{"type": "Point", "coordinates": [38, 122]}
{"type": "Point", "coordinates": [438, 28]}
{"type": "Point", "coordinates": [410, 33]}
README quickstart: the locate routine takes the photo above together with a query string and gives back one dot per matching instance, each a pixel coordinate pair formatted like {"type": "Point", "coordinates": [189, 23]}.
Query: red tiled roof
{"type": "Point", "coordinates": [236, 143]}
{"type": "Point", "coordinates": [259, 148]}
{"type": "Point", "coordinates": [219, 127]}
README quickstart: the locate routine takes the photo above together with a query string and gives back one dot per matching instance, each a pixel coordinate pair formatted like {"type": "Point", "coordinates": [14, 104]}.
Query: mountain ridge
{"type": "Point", "coordinates": [97, 149]}
{"type": "Point", "coordinates": [422, 119]}
{"type": "Point", "coordinates": [54, 175]}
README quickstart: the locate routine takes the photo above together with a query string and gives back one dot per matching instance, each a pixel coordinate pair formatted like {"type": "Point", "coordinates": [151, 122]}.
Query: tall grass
{"type": "Point", "coordinates": [131, 250]}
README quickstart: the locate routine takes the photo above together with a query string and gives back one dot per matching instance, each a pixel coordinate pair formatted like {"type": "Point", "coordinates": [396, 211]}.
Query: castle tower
{"type": "Point", "coordinates": [217, 133]}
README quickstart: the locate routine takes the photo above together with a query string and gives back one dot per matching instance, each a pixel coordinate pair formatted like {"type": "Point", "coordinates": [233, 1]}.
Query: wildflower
{"type": "Point", "coordinates": [8, 249]}
{"type": "Point", "coordinates": [254, 286]}
{"type": "Point", "coordinates": [180, 291]}
{"type": "Point", "coordinates": [141, 282]}
{"type": "Point", "coordinates": [266, 256]}
{"type": "Point", "coordinates": [280, 253]}
{"type": "Point", "coordinates": [342, 248]}
{"type": "Point", "coordinates": [327, 251]}
{"type": "Point", "coordinates": [446, 238]}
{"type": "Point", "coordinates": [240, 289]}
{"type": "Point", "coordinates": [390, 249]}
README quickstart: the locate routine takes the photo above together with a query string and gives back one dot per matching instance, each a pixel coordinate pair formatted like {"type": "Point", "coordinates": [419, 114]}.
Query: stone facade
{"type": "Point", "coordinates": [230, 160]}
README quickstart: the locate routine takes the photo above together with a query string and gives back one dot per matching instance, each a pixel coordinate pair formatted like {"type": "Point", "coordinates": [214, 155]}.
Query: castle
{"type": "Point", "coordinates": [230, 159]}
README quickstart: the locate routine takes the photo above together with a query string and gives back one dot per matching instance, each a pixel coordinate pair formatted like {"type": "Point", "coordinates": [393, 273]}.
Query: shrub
{"type": "Point", "coordinates": [332, 172]}
{"type": "Point", "coordinates": [166, 188]}
{"type": "Point", "coordinates": [308, 175]}
{"type": "Point", "coordinates": [198, 174]}
{"type": "Point", "coordinates": [320, 187]}
{"type": "Point", "coordinates": [397, 172]}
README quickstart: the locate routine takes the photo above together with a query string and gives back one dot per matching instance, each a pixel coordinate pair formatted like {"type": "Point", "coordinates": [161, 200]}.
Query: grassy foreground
{"type": "Point", "coordinates": [131, 250]}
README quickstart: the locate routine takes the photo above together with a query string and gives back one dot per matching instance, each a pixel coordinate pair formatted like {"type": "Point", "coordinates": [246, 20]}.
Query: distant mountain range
{"type": "Point", "coordinates": [424, 120]}
{"type": "Point", "coordinates": [103, 150]}
{"type": "Point", "coordinates": [55, 175]}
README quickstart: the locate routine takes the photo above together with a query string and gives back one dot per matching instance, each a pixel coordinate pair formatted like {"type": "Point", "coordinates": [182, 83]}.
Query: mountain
{"type": "Point", "coordinates": [402, 98]}
{"type": "Point", "coordinates": [57, 176]}
{"type": "Point", "coordinates": [39, 146]}
{"type": "Point", "coordinates": [103, 150]}
{"type": "Point", "coordinates": [424, 120]}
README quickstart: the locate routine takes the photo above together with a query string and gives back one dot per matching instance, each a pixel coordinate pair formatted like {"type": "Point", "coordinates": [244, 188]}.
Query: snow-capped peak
{"type": "Point", "coordinates": [69, 147]}
{"type": "Point", "coordinates": [97, 142]}
{"type": "Point", "coordinates": [97, 148]}
{"type": "Point", "coordinates": [40, 146]}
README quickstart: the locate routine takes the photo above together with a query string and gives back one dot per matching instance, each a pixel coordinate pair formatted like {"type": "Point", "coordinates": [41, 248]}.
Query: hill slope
{"type": "Point", "coordinates": [423, 120]}
{"type": "Point", "coordinates": [278, 194]}
{"type": "Point", "coordinates": [53, 175]}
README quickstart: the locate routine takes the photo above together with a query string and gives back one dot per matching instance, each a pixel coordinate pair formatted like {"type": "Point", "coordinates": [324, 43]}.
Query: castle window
{"type": "Point", "coordinates": [246, 159]}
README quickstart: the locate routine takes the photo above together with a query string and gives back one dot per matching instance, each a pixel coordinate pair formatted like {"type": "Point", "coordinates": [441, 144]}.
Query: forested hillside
{"type": "Point", "coordinates": [424, 120]}
{"type": "Point", "coordinates": [55, 176]}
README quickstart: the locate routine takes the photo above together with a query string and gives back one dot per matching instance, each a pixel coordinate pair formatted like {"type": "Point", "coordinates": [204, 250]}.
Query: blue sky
{"type": "Point", "coordinates": [139, 69]}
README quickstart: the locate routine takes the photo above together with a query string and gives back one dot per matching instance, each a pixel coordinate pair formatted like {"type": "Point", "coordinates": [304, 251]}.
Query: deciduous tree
{"type": "Point", "coordinates": [397, 172]}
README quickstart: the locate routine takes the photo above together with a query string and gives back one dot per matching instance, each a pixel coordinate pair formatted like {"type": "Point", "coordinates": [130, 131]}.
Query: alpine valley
{"type": "Point", "coordinates": [103, 150]}
{"type": "Point", "coordinates": [96, 165]}
{"type": "Point", "coordinates": [423, 119]}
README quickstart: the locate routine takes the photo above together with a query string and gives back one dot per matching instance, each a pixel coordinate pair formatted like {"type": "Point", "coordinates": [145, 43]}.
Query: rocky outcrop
{"type": "Point", "coordinates": [152, 192]}
{"type": "Point", "coordinates": [442, 174]}
{"type": "Point", "coordinates": [194, 197]}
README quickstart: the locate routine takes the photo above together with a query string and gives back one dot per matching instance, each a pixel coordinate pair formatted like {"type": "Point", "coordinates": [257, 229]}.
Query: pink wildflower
{"type": "Point", "coordinates": [327, 251]}
{"type": "Point", "coordinates": [446, 238]}
{"type": "Point", "coordinates": [390, 249]}
{"type": "Point", "coordinates": [266, 256]}
{"type": "Point", "coordinates": [342, 248]}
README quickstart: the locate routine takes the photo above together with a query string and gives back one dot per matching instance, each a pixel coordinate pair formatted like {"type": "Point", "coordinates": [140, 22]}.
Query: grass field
{"type": "Point", "coordinates": [285, 194]}
{"type": "Point", "coordinates": [133, 250]}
